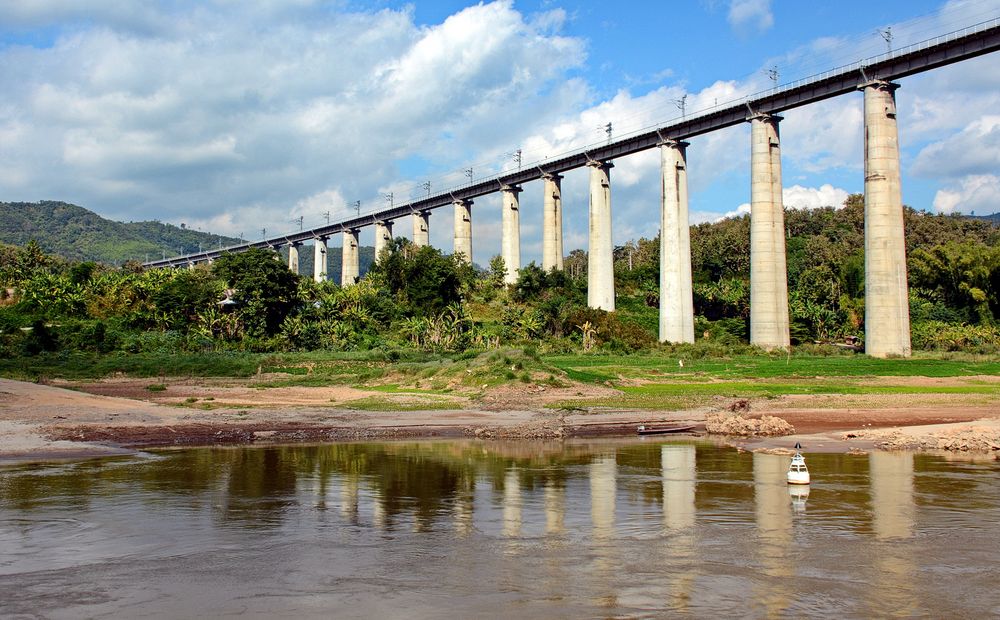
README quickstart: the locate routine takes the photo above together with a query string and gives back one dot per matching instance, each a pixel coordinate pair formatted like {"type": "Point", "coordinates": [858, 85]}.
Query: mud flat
{"type": "Point", "coordinates": [99, 418]}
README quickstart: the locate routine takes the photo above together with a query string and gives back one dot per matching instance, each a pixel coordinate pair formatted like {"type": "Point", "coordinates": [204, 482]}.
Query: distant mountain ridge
{"type": "Point", "coordinates": [75, 233]}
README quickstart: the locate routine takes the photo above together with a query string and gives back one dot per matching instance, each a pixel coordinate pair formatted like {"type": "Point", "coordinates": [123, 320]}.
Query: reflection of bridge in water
{"type": "Point", "coordinates": [887, 313]}
{"type": "Point", "coordinates": [605, 527]}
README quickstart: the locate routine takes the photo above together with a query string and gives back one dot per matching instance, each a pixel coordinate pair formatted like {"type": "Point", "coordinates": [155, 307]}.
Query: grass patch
{"type": "Point", "coordinates": [381, 403]}
{"type": "Point", "coordinates": [393, 388]}
{"type": "Point", "coordinates": [601, 368]}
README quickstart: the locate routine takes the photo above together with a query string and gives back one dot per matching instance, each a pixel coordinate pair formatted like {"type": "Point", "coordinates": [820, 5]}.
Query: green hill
{"type": "Point", "coordinates": [75, 233]}
{"type": "Point", "coordinates": [78, 234]}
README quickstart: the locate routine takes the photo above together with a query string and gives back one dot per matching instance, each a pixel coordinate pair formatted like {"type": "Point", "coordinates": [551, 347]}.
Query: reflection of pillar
{"type": "Point", "coordinates": [768, 271]}
{"type": "Point", "coordinates": [600, 256]}
{"type": "Point", "coordinates": [319, 259]}
{"type": "Point", "coordinates": [293, 257]}
{"type": "Point", "coordinates": [463, 515]}
{"type": "Point", "coordinates": [463, 229]}
{"type": "Point", "coordinates": [421, 228]}
{"type": "Point", "coordinates": [464, 506]}
{"type": "Point", "coordinates": [349, 498]}
{"type": "Point", "coordinates": [892, 493]}
{"type": "Point", "coordinates": [350, 259]}
{"type": "Point", "coordinates": [555, 508]}
{"type": "Point", "coordinates": [383, 235]}
{"type": "Point", "coordinates": [603, 483]}
{"type": "Point", "coordinates": [677, 464]}
{"type": "Point", "coordinates": [378, 512]}
{"type": "Point", "coordinates": [676, 296]}
{"type": "Point", "coordinates": [603, 478]}
{"type": "Point", "coordinates": [887, 309]}
{"type": "Point", "coordinates": [510, 231]}
{"type": "Point", "coordinates": [511, 504]}
{"type": "Point", "coordinates": [677, 467]}
{"type": "Point", "coordinates": [774, 529]}
{"type": "Point", "coordinates": [552, 228]}
{"type": "Point", "coordinates": [893, 512]}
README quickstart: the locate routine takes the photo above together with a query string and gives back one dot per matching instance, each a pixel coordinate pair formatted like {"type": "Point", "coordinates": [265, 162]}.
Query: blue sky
{"type": "Point", "coordinates": [237, 116]}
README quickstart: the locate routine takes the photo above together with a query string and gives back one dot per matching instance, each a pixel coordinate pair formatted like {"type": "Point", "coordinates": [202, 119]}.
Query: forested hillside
{"type": "Point", "coordinates": [75, 233]}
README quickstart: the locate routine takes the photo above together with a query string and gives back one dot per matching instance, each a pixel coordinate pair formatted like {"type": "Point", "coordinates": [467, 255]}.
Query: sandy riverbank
{"type": "Point", "coordinates": [43, 421]}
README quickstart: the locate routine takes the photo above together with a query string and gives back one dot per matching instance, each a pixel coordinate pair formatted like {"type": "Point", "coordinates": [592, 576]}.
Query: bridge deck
{"type": "Point", "coordinates": [948, 49]}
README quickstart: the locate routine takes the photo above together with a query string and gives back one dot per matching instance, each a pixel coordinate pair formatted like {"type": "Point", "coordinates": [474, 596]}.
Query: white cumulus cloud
{"type": "Point", "coordinates": [978, 193]}
{"type": "Point", "coordinates": [750, 15]}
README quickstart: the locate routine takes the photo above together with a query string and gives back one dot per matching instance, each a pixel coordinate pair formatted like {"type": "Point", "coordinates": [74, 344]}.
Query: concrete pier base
{"type": "Point", "coordinates": [293, 257]}
{"type": "Point", "coordinates": [350, 262]}
{"type": "Point", "coordinates": [421, 228]}
{"type": "Point", "coordinates": [463, 229]}
{"type": "Point", "coordinates": [552, 228]}
{"type": "Point", "coordinates": [319, 259]}
{"type": "Point", "coordinates": [676, 296]}
{"type": "Point", "coordinates": [887, 307]}
{"type": "Point", "coordinates": [383, 236]}
{"type": "Point", "coordinates": [510, 233]}
{"type": "Point", "coordinates": [600, 260]}
{"type": "Point", "coordinates": [768, 270]}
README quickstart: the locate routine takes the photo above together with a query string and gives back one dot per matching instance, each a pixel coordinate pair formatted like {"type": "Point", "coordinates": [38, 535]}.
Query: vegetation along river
{"type": "Point", "coordinates": [471, 529]}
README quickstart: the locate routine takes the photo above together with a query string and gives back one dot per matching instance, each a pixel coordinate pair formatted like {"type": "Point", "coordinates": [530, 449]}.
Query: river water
{"type": "Point", "coordinates": [471, 529]}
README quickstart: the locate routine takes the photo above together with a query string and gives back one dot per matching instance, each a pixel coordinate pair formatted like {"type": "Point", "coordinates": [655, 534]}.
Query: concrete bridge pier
{"type": "Point", "coordinates": [383, 236]}
{"type": "Point", "coordinates": [350, 269]}
{"type": "Point", "coordinates": [421, 228]}
{"type": "Point", "coordinates": [552, 228]}
{"type": "Point", "coordinates": [463, 229]}
{"type": "Point", "coordinates": [293, 257]}
{"type": "Point", "coordinates": [319, 259]}
{"type": "Point", "coordinates": [887, 304]}
{"type": "Point", "coordinates": [510, 234]}
{"type": "Point", "coordinates": [768, 269]}
{"type": "Point", "coordinates": [600, 260]}
{"type": "Point", "coordinates": [676, 297]}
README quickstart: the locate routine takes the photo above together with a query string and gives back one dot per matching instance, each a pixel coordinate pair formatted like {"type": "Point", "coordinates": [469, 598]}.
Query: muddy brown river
{"type": "Point", "coordinates": [492, 530]}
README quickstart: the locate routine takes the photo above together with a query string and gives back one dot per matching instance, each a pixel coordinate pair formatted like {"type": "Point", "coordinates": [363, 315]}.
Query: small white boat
{"type": "Point", "coordinates": [797, 471]}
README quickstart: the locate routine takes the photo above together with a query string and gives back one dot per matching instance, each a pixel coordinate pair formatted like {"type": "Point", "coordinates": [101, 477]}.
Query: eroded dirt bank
{"type": "Point", "coordinates": [40, 421]}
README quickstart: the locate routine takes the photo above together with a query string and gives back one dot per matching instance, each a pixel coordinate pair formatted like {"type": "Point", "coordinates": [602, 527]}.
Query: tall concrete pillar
{"type": "Point", "coordinates": [510, 233]}
{"type": "Point", "coordinates": [600, 259]}
{"type": "Point", "coordinates": [293, 257]}
{"type": "Point", "coordinates": [887, 308]}
{"type": "Point", "coordinates": [463, 229]}
{"type": "Point", "coordinates": [552, 228]}
{"type": "Point", "coordinates": [350, 262]}
{"type": "Point", "coordinates": [676, 297]}
{"type": "Point", "coordinates": [768, 270]}
{"type": "Point", "coordinates": [319, 259]}
{"type": "Point", "coordinates": [383, 236]}
{"type": "Point", "coordinates": [421, 228]}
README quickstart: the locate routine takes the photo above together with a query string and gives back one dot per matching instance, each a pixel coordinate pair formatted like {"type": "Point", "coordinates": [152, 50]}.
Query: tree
{"type": "Point", "coordinates": [188, 293]}
{"type": "Point", "coordinates": [965, 275]}
{"type": "Point", "coordinates": [265, 289]}
{"type": "Point", "coordinates": [423, 278]}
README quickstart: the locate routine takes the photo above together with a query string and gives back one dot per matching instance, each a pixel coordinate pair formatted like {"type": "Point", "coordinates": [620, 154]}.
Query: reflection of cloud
{"type": "Point", "coordinates": [978, 192]}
